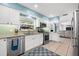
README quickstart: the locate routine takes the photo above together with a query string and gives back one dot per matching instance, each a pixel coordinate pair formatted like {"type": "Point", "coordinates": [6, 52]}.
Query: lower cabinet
{"type": "Point", "coordinates": [32, 41]}
{"type": "Point", "coordinates": [54, 36]}
{"type": "Point", "coordinates": [12, 46]}
{"type": "Point", "coordinates": [3, 47]}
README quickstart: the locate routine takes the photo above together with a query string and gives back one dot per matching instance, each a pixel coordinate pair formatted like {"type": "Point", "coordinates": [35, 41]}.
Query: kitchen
{"type": "Point", "coordinates": [26, 32]}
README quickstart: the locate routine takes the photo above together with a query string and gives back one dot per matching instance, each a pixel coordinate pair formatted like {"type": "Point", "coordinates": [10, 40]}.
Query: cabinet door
{"type": "Point", "coordinates": [9, 15]}
{"type": "Point", "coordinates": [28, 43]}
{"type": "Point", "coordinates": [33, 41]}
{"type": "Point", "coordinates": [37, 23]}
{"type": "Point", "coordinates": [3, 47]}
{"type": "Point", "coordinates": [14, 16]}
{"type": "Point", "coordinates": [4, 14]}
{"type": "Point", "coordinates": [54, 37]}
{"type": "Point", "coordinates": [50, 36]}
{"type": "Point", "coordinates": [38, 40]}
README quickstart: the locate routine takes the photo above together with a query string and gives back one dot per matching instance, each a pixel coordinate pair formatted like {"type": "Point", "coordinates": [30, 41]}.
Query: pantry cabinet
{"type": "Point", "coordinates": [9, 15]}
{"type": "Point", "coordinates": [33, 41]}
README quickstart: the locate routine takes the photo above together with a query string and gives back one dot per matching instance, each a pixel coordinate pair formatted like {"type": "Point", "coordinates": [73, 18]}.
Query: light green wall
{"type": "Point", "coordinates": [5, 28]}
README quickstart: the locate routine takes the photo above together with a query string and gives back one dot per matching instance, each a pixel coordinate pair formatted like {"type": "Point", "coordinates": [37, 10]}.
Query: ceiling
{"type": "Point", "coordinates": [52, 9]}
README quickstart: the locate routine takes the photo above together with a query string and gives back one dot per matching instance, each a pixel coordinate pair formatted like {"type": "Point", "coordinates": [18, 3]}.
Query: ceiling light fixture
{"type": "Point", "coordinates": [36, 6]}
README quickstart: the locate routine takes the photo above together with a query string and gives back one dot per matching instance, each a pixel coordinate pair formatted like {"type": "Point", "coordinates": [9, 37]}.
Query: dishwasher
{"type": "Point", "coordinates": [15, 45]}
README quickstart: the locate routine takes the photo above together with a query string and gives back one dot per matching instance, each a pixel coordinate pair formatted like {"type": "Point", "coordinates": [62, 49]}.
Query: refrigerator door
{"type": "Point", "coordinates": [75, 33]}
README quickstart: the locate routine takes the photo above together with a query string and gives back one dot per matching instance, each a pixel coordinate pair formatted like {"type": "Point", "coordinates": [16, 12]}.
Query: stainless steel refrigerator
{"type": "Point", "coordinates": [75, 33]}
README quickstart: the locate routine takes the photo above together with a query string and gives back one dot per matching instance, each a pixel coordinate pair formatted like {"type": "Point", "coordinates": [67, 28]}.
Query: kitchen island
{"type": "Point", "coordinates": [8, 42]}
{"type": "Point", "coordinates": [22, 43]}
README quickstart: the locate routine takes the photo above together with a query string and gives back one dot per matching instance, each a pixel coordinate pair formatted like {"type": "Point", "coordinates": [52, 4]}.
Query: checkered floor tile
{"type": "Point", "coordinates": [39, 51]}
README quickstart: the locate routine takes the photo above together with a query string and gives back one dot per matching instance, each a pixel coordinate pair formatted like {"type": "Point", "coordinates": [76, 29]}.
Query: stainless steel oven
{"type": "Point", "coordinates": [45, 38]}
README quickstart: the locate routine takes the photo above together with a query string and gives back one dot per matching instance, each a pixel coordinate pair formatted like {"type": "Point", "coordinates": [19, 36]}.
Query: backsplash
{"type": "Point", "coordinates": [6, 29]}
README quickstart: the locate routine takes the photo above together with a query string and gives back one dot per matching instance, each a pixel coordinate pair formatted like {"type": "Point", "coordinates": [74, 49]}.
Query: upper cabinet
{"type": "Point", "coordinates": [26, 19]}
{"type": "Point", "coordinates": [14, 16]}
{"type": "Point", "coordinates": [4, 14]}
{"type": "Point", "coordinates": [37, 21]}
{"type": "Point", "coordinates": [8, 15]}
{"type": "Point", "coordinates": [65, 20]}
{"type": "Point", "coordinates": [29, 21]}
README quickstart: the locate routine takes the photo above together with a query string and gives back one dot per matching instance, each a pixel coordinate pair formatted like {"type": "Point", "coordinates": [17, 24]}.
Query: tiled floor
{"type": "Point", "coordinates": [62, 48]}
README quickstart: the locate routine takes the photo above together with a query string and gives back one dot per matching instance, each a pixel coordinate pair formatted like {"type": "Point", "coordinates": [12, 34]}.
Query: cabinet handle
{"type": "Point", "coordinates": [4, 40]}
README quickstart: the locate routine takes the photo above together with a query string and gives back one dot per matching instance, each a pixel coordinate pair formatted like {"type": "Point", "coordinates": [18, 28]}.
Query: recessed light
{"type": "Point", "coordinates": [36, 6]}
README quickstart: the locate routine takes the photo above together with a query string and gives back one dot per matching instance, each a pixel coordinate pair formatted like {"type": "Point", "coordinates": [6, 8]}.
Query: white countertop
{"type": "Point", "coordinates": [10, 35]}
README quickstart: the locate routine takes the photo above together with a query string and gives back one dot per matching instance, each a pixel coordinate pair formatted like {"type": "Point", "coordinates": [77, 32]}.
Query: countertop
{"type": "Point", "coordinates": [26, 33]}
{"type": "Point", "coordinates": [10, 35]}
{"type": "Point", "coordinates": [17, 34]}
{"type": "Point", "coordinates": [66, 34]}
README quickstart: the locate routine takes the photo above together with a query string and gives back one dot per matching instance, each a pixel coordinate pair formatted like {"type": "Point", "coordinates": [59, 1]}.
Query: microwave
{"type": "Point", "coordinates": [69, 28]}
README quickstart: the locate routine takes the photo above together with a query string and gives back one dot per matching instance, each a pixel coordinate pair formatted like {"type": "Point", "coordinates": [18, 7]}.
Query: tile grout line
{"type": "Point", "coordinates": [58, 47]}
{"type": "Point", "coordinates": [68, 48]}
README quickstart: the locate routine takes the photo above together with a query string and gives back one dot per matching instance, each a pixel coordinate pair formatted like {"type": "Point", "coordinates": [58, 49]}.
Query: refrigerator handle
{"type": "Point", "coordinates": [72, 28]}
{"type": "Point", "coordinates": [75, 42]}
{"type": "Point", "coordinates": [73, 38]}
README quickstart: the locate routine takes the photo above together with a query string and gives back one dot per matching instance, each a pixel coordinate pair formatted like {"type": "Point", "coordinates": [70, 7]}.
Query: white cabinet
{"type": "Point", "coordinates": [37, 23]}
{"type": "Point", "coordinates": [4, 14]}
{"type": "Point", "coordinates": [38, 39]}
{"type": "Point", "coordinates": [28, 43]}
{"type": "Point", "coordinates": [14, 16]}
{"type": "Point", "coordinates": [32, 41]}
{"type": "Point", "coordinates": [8, 15]}
{"type": "Point", "coordinates": [3, 47]}
{"type": "Point", "coordinates": [54, 36]}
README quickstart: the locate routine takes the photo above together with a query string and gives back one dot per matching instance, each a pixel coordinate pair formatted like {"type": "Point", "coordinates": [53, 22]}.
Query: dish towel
{"type": "Point", "coordinates": [14, 44]}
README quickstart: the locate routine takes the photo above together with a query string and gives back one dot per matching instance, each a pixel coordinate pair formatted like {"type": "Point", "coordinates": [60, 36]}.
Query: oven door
{"type": "Point", "coordinates": [45, 38]}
